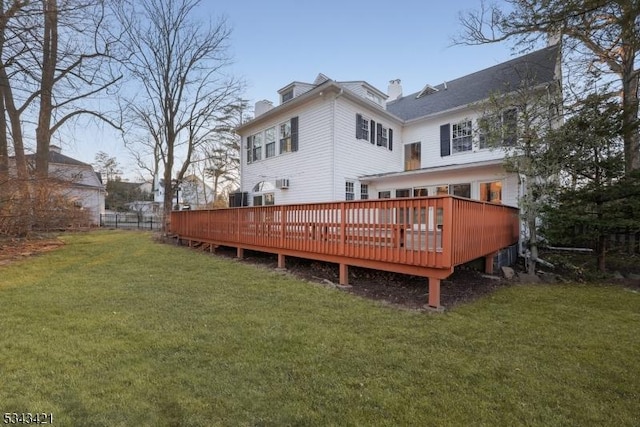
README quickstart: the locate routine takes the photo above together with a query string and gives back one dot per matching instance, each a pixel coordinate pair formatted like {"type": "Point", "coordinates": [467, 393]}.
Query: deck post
{"type": "Point", "coordinates": [281, 261]}
{"type": "Point", "coordinates": [344, 274]}
{"type": "Point", "coordinates": [240, 253]}
{"type": "Point", "coordinates": [488, 263]}
{"type": "Point", "coordinates": [434, 292]}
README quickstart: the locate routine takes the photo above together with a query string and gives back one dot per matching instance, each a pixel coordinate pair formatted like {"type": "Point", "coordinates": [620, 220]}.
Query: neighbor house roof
{"type": "Point", "coordinates": [55, 157]}
{"type": "Point", "coordinates": [538, 67]}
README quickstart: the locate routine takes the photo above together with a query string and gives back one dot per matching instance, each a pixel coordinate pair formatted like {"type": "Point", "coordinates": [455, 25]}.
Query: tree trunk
{"type": "Point", "coordinates": [168, 199]}
{"type": "Point", "coordinates": [630, 129]}
{"type": "Point", "coordinates": [533, 245]}
{"type": "Point", "coordinates": [602, 250]}
{"type": "Point", "coordinates": [49, 62]}
{"type": "Point", "coordinates": [4, 144]}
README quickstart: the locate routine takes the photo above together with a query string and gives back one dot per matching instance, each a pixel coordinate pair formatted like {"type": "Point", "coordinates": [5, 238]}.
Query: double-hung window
{"type": "Point", "coordinates": [349, 191]}
{"type": "Point", "coordinates": [383, 135]}
{"type": "Point", "coordinates": [249, 149]}
{"type": "Point", "coordinates": [270, 142]}
{"type": "Point", "coordinates": [362, 127]}
{"type": "Point", "coordinates": [289, 136]}
{"type": "Point", "coordinates": [257, 147]}
{"type": "Point", "coordinates": [461, 137]}
{"type": "Point", "coordinates": [364, 191]}
{"type": "Point", "coordinates": [499, 129]}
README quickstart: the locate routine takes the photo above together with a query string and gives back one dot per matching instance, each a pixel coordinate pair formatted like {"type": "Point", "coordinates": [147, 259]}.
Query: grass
{"type": "Point", "coordinates": [116, 330]}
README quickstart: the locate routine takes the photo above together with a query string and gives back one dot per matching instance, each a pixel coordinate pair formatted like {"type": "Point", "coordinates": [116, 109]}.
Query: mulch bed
{"type": "Point", "coordinates": [401, 290]}
{"type": "Point", "coordinates": [15, 248]}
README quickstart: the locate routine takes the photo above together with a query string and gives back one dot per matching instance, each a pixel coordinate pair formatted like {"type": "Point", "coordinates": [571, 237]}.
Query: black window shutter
{"type": "Point", "coordinates": [391, 139]}
{"type": "Point", "coordinates": [372, 132]}
{"type": "Point", "coordinates": [294, 134]}
{"type": "Point", "coordinates": [249, 149]}
{"type": "Point", "coordinates": [379, 132]}
{"type": "Point", "coordinates": [359, 134]}
{"type": "Point", "coordinates": [445, 140]}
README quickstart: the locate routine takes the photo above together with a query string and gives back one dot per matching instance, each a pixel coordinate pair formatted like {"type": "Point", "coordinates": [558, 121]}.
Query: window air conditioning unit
{"type": "Point", "coordinates": [282, 184]}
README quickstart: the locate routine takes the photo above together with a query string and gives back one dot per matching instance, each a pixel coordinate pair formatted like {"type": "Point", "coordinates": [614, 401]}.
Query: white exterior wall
{"type": "Point", "coordinates": [428, 133]}
{"type": "Point", "coordinates": [358, 157]}
{"type": "Point", "coordinates": [474, 176]}
{"type": "Point", "coordinates": [84, 187]}
{"type": "Point", "coordinates": [309, 170]}
{"type": "Point", "coordinates": [329, 154]}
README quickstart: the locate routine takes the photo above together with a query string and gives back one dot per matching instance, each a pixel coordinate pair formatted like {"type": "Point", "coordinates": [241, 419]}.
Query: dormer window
{"type": "Point", "coordinates": [373, 97]}
{"type": "Point", "coordinates": [288, 95]}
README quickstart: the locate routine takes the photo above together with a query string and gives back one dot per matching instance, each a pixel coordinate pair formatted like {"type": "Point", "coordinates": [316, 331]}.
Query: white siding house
{"type": "Point", "coordinates": [83, 185]}
{"type": "Point", "coordinates": [330, 141]}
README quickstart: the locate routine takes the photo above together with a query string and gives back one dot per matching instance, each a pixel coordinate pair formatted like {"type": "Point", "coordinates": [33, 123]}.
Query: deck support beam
{"type": "Point", "coordinates": [240, 253]}
{"type": "Point", "coordinates": [344, 274]}
{"type": "Point", "coordinates": [281, 261]}
{"type": "Point", "coordinates": [434, 292]}
{"type": "Point", "coordinates": [488, 263]}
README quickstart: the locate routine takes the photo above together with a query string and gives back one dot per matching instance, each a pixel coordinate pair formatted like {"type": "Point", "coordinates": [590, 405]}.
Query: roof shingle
{"type": "Point", "coordinates": [539, 66]}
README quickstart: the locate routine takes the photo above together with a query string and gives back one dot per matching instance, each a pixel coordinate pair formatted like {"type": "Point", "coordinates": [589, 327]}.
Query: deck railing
{"type": "Point", "coordinates": [426, 236]}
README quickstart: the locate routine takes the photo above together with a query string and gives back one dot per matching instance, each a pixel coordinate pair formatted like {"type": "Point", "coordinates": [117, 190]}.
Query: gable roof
{"type": "Point", "coordinates": [55, 157]}
{"type": "Point", "coordinates": [540, 66]}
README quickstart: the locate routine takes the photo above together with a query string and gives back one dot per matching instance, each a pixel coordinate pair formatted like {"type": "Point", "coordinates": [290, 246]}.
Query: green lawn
{"type": "Point", "coordinates": [116, 330]}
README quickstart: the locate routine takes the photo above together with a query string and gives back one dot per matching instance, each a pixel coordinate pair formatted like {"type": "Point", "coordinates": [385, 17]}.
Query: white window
{"type": "Point", "coordinates": [364, 191]}
{"type": "Point", "coordinates": [289, 136]}
{"type": "Point", "coordinates": [373, 97]}
{"type": "Point", "coordinates": [461, 137]}
{"type": "Point", "coordinates": [349, 192]}
{"type": "Point", "coordinates": [420, 192]}
{"type": "Point", "coordinates": [491, 191]}
{"type": "Point", "coordinates": [249, 149]}
{"type": "Point", "coordinates": [363, 127]}
{"type": "Point", "coordinates": [270, 142]}
{"type": "Point", "coordinates": [461, 190]}
{"type": "Point", "coordinates": [286, 96]}
{"type": "Point", "coordinates": [412, 156]}
{"type": "Point", "coordinates": [498, 129]}
{"type": "Point", "coordinates": [285, 137]}
{"type": "Point", "coordinates": [383, 136]}
{"type": "Point", "coordinates": [403, 192]}
{"type": "Point", "coordinates": [257, 147]}
{"type": "Point", "coordinates": [438, 190]}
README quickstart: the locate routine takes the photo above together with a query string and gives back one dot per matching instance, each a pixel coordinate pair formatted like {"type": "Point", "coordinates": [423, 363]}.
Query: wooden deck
{"type": "Point", "coordinates": [426, 236]}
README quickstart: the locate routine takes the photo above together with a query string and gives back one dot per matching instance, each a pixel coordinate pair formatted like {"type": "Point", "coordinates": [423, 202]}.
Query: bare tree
{"type": "Point", "coordinates": [55, 57]}
{"type": "Point", "coordinates": [604, 33]}
{"type": "Point", "coordinates": [107, 166]}
{"type": "Point", "coordinates": [179, 63]}
{"type": "Point", "coordinates": [60, 58]}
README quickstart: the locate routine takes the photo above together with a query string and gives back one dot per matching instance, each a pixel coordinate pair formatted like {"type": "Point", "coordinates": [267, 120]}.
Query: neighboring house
{"type": "Point", "coordinates": [82, 184]}
{"type": "Point", "coordinates": [191, 193]}
{"type": "Point", "coordinates": [194, 192]}
{"type": "Point", "coordinates": [330, 141]}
